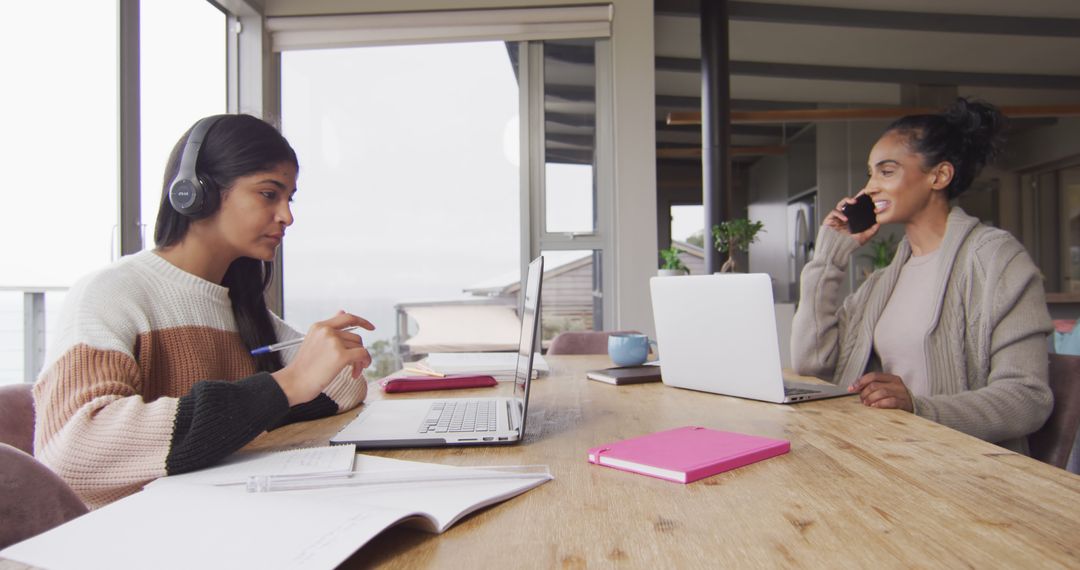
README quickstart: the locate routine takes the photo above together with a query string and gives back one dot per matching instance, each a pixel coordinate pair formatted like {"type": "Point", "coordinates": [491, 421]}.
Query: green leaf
{"type": "Point", "coordinates": [736, 235]}
{"type": "Point", "coordinates": [671, 259]}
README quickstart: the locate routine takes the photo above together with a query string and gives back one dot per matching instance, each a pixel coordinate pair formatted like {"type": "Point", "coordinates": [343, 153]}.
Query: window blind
{"type": "Point", "coordinates": [514, 24]}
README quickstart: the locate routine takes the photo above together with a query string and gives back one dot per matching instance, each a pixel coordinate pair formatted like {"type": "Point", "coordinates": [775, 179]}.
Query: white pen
{"type": "Point", "coordinates": [288, 343]}
{"type": "Point", "coordinates": [264, 483]}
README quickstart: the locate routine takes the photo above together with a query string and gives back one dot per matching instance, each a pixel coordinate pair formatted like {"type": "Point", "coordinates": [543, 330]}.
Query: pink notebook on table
{"type": "Point", "coordinates": [686, 454]}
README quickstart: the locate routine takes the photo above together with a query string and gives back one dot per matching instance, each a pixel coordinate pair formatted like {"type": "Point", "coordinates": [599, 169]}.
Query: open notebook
{"type": "Point", "coordinates": [184, 523]}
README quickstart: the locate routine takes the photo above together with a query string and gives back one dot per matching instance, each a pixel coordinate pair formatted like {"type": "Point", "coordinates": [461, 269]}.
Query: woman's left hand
{"type": "Point", "coordinates": [881, 390]}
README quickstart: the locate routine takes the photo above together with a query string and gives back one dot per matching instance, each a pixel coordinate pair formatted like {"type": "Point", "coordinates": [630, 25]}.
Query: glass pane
{"type": "Point", "coordinates": [58, 112]}
{"type": "Point", "coordinates": [688, 224]}
{"type": "Point", "coordinates": [687, 229]}
{"type": "Point", "coordinates": [568, 301]}
{"type": "Point", "coordinates": [570, 133]}
{"type": "Point", "coordinates": [11, 337]}
{"type": "Point", "coordinates": [12, 334]}
{"type": "Point", "coordinates": [408, 187]}
{"type": "Point", "coordinates": [1070, 227]}
{"type": "Point", "coordinates": [183, 76]}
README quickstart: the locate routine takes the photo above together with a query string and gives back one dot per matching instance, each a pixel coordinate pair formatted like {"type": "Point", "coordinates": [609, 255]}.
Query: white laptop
{"type": "Point", "coordinates": [457, 421]}
{"type": "Point", "coordinates": [717, 333]}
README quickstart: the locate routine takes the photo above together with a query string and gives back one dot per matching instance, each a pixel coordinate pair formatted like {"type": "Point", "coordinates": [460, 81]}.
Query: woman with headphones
{"type": "Point", "coordinates": [954, 330]}
{"type": "Point", "coordinates": [151, 372]}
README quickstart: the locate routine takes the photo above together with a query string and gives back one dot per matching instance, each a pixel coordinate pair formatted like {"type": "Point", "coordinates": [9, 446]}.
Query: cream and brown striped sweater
{"type": "Point", "coordinates": [147, 376]}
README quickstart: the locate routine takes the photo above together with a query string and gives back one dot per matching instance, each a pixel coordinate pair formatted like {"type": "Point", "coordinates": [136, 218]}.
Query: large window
{"type": "Point", "coordinates": [182, 73]}
{"type": "Point", "coordinates": [571, 214]}
{"type": "Point", "coordinates": [60, 114]}
{"type": "Point", "coordinates": [409, 181]}
{"type": "Point", "coordinates": [58, 109]}
{"type": "Point", "coordinates": [422, 178]}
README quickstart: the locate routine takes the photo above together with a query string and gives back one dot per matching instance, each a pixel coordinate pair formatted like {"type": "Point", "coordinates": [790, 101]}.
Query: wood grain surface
{"type": "Point", "coordinates": [861, 487]}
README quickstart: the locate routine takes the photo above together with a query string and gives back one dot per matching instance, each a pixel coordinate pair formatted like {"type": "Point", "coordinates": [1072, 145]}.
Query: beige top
{"type": "Point", "coordinates": [900, 335]}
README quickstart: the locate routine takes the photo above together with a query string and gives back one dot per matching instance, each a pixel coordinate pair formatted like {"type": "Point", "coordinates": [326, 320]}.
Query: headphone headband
{"type": "Point", "coordinates": [187, 192]}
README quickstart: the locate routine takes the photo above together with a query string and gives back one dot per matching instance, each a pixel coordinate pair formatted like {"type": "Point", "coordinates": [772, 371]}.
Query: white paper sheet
{"type": "Point", "coordinates": [238, 467]}
{"type": "Point", "coordinates": [185, 526]}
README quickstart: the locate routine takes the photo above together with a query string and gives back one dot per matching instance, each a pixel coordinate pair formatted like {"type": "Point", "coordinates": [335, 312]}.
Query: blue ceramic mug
{"type": "Point", "coordinates": [628, 349]}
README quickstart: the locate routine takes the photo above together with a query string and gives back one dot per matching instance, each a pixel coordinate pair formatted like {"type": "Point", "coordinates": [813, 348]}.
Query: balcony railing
{"type": "Point", "coordinates": [33, 326]}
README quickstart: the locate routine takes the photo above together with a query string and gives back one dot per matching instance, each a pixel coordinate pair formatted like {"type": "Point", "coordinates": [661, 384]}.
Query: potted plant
{"type": "Point", "coordinates": [671, 264]}
{"type": "Point", "coordinates": [735, 235]}
{"type": "Point", "coordinates": [882, 251]}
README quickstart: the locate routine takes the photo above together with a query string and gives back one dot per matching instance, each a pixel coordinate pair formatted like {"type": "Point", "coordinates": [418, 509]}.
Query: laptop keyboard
{"type": "Point", "coordinates": [789, 391]}
{"type": "Point", "coordinates": [460, 416]}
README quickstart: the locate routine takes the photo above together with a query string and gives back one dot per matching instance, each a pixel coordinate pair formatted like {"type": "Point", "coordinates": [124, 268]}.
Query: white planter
{"type": "Point", "coordinates": [670, 272]}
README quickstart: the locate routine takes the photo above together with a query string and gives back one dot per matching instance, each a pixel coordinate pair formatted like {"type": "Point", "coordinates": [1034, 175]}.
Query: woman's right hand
{"type": "Point", "coordinates": [326, 350]}
{"type": "Point", "coordinates": [838, 221]}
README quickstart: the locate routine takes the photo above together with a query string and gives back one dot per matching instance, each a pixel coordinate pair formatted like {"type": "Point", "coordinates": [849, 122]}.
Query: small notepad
{"type": "Point", "coordinates": [686, 454]}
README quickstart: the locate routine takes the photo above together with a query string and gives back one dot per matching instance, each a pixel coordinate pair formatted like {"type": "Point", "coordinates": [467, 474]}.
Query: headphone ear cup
{"type": "Point", "coordinates": [187, 191]}
{"type": "Point", "coordinates": [186, 196]}
{"type": "Point", "coordinates": [210, 195]}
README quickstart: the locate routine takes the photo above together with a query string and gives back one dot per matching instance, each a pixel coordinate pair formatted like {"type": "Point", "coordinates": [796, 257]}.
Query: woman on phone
{"type": "Point", "coordinates": [955, 328]}
{"type": "Point", "coordinates": [151, 372]}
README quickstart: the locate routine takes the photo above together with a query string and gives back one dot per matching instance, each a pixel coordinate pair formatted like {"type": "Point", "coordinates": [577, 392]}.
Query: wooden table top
{"type": "Point", "coordinates": [860, 487]}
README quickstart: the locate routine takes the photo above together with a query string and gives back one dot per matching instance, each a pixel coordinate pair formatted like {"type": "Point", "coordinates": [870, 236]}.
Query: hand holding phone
{"type": "Point", "coordinates": [860, 215]}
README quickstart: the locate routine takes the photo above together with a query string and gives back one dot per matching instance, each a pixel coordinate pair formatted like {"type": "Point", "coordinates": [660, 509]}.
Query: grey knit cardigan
{"type": "Point", "coordinates": [986, 349]}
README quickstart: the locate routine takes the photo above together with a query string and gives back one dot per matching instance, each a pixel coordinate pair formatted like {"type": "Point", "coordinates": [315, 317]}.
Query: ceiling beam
{"type": "Point", "coordinates": [577, 120]}
{"type": "Point", "coordinates": [897, 20]}
{"type": "Point", "coordinates": [753, 130]}
{"type": "Point", "coordinates": [883, 19]}
{"type": "Point", "coordinates": [687, 102]}
{"type": "Point", "coordinates": [695, 152]}
{"type": "Point", "coordinates": [864, 114]}
{"type": "Point", "coordinates": [570, 53]}
{"type": "Point", "coordinates": [879, 75]}
{"type": "Point", "coordinates": [584, 142]}
{"type": "Point", "coordinates": [572, 93]}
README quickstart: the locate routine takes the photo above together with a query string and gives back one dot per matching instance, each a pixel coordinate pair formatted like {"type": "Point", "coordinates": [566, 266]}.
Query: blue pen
{"type": "Point", "coordinates": [288, 343]}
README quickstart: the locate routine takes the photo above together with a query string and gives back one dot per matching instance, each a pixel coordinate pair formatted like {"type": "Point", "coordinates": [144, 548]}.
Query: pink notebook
{"type": "Point", "coordinates": [686, 454]}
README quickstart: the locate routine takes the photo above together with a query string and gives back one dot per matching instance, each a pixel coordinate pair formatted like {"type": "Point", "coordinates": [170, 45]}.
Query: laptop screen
{"type": "Point", "coordinates": [530, 325]}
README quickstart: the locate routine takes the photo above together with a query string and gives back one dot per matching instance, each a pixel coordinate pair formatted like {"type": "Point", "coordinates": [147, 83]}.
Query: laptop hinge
{"type": "Point", "coordinates": [513, 415]}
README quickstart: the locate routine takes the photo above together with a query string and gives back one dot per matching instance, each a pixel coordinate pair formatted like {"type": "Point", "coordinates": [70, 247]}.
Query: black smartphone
{"type": "Point", "coordinates": [860, 215]}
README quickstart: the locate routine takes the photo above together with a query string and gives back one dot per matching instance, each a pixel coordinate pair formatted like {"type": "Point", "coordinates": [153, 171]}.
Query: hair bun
{"type": "Point", "coordinates": [978, 127]}
{"type": "Point", "coordinates": [967, 134]}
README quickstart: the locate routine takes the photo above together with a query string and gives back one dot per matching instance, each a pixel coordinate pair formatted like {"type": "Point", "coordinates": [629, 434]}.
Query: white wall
{"type": "Point", "coordinates": [634, 125]}
{"type": "Point", "coordinates": [767, 199]}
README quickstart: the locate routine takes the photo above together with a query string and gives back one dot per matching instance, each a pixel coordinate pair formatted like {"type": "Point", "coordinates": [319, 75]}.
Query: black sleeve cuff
{"type": "Point", "coordinates": [322, 406]}
{"type": "Point", "coordinates": [218, 417]}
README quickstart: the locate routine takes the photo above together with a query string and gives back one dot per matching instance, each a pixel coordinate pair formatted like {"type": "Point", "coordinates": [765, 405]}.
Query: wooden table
{"type": "Point", "coordinates": [861, 487]}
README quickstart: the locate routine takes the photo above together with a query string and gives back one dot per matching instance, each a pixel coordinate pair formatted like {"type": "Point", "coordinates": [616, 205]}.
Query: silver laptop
{"type": "Point", "coordinates": [457, 421]}
{"type": "Point", "coordinates": [717, 333]}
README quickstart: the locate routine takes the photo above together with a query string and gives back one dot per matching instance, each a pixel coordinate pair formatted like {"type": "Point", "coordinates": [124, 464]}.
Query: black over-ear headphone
{"type": "Point", "coordinates": [187, 191]}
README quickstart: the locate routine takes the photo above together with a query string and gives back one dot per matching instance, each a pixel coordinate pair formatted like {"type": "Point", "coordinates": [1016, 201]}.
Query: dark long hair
{"type": "Point", "coordinates": [235, 146]}
{"type": "Point", "coordinates": [967, 134]}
